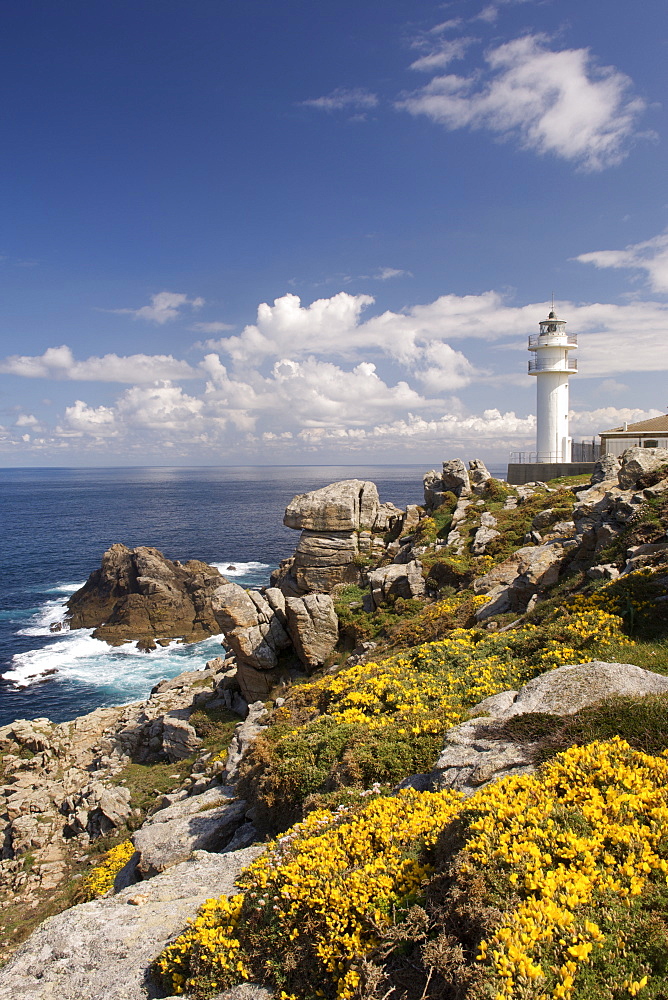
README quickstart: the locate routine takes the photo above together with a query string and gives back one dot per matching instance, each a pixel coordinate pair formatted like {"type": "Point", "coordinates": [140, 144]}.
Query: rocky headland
{"type": "Point", "coordinates": [398, 653]}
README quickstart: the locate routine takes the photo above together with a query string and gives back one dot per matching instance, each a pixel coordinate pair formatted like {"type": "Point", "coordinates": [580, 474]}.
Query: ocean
{"type": "Point", "coordinates": [56, 523]}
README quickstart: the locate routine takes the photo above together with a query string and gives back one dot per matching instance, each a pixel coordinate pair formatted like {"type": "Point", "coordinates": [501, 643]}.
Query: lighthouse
{"type": "Point", "coordinates": [552, 366]}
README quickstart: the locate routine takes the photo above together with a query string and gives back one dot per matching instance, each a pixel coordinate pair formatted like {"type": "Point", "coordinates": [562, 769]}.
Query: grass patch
{"type": "Point", "coordinates": [570, 480]}
{"type": "Point", "coordinates": [641, 721]}
{"type": "Point", "coordinates": [214, 726]}
{"type": "Point", "coordinates": [147, 781]}
{"type": "Point", "coordinates": [357, 625]}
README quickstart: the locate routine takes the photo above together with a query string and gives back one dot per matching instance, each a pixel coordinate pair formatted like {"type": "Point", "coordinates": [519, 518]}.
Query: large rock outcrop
{"type": "Point", "coordinates": [474, 754]}
{"type": "Point", "coordinates": [637, 462]}
{"type": "Point", "coordinates": [205, 822]}
{"type": "Point", "coordinates": [454, 478]}
{"type": "Point", "coordinates": [342, 526]}
{"type": "Point", "coordinates": [139, 594]}
{"type": "Point", "coordinates": [270, 636]}
{"type": "Point", "coordinates": [103, 950]}
{"type": "Point", "coordinates": [527, 572]}
{"type": "Point", "coordinates": [389, 582]}
{"type": "Point", "coordinates": [349, 505]}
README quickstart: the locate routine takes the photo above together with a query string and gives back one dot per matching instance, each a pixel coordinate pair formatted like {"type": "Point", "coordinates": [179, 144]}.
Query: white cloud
{"type": "Point", "coordinates": [610, 385]}
{"type": "Point", "coordinates": [615, 339]}
{"type": "Point", "coordinates": [586, 423]}
{"type": "Point", "coordinates": [27, 420]}
{"type": "Point", "coordinates": [453, 22]}
{"type": "Point", "coordinates": [476, 434]}
{"type": "Point", "coordinates": [162, 407]}
{"type": "Point", "coordinates": [442, 369]}
{"type": "Point", "coordinates": [557, 102]}
{"type": "Point", "coordinates": [79, 419]}
{"type": "Point", "coordinates": [288, 328]}
{"type": "Point", "coordinates": [385, 273]}
{"type": "Point", "coordinates": [164, 307]}
{"type": "Point", "coordinates": [650, 257]}
{"type": "Point", "coordinates": [312, 377]}
{"type": "Point", "coordinates": [215, 327]}
{"type": "Point", "coordinates": [489, 14]}
{"type": "Point", "coordinates": [440, 56]}
{"type": "Point", "coordinates": [59, 363]}
{"type": "Point", "coordinates": [354, 99]}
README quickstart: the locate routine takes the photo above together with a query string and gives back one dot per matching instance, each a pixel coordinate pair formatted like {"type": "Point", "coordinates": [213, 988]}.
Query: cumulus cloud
{"type": "Point", "coordinates": [650, 257]}
{"type": "Point", "coordinates": [80, 418]}
{"type": "Point", "coordinates": [355, 99]}
{"type": "Point", "coordinates": [60, 363]}
{"type": "Point", "coordinates": [160, 407]}
{"type": "Point", "coordinates": [27, 420]}
{"type": "Point", "coordinates": [589, 422]}
{"type": "Point", "coordinates": [164, 307]}
{"type": "Point", "coordinates": [553, 102]}
{"type": "Point", "coordinates": [331, 376]}
{"type": "Point", "coordinates": [615, 338]}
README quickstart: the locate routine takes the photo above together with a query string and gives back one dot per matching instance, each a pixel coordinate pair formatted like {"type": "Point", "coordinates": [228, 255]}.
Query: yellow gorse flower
{"type": "Point", "coordinates": [336, 881]}
{"type": "Point", "coordinates": [101, 879]}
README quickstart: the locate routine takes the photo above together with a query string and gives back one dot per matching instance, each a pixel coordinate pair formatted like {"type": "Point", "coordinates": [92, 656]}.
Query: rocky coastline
{"type": "Point", "coordinates": [170, 774]}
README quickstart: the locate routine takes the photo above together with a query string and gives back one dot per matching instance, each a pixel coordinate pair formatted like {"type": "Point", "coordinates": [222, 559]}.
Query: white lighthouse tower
{"type": "Point", "coordinates": [552, 366]}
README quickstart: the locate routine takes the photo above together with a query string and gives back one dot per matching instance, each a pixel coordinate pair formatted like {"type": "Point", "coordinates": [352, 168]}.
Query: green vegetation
{"type": "Point", "coordinates": [148, 781]}
{"type": "Point", "coordinates": [642, 722]}
{"type": "Point", "coordinates": [214, 726]}
{"type": "Point", "coordinates": [384, 720]}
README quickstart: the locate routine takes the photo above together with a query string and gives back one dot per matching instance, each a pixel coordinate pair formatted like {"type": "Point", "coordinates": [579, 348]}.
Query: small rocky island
{"type": "Point", "coordinates": [139, 594]}
{"type": "Point", "coordinates": [398, 654]}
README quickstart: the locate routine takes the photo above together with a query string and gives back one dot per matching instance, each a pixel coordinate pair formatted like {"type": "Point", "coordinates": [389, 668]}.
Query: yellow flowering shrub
{"type": "Point", "coordinates": [381, 721]}
{"type": "Point", "coordinates": [567, 847]}
{"type": "Point", "coordinates": [574, 861]}
{"type": "Point", "coordinates": [101, 879]}
{"type": "Point", "coordinates": [207, 955]}
{"type": "Point", "coordinates": [316, 902]}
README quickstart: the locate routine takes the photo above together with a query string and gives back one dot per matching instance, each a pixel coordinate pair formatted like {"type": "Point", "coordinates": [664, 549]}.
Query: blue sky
{"type": "Point", "coordinates": [254, 233]}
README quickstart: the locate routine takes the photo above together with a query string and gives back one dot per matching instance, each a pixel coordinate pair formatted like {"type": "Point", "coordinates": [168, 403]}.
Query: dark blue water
{"type": "Point", "coordinates": [56, 523]}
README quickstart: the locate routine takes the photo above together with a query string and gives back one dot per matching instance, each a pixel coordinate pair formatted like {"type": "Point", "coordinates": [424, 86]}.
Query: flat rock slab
{"type": "Point", "coordinates": [103, 950]}
{"type": "Point", "coordinates": [473, 755]}
{"type": "Point", "coordinates": [164, 844]}
{"type": "Point", "coordinates": [568, 689]}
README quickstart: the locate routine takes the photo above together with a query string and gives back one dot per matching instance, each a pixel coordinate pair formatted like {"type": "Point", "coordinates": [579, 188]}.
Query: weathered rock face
{"type": "Point", "coordinates": [473, 754]}
{"type": "Point", "coordinates": [139, 594]}
{"type": "Point", "coordinates": [349, 505]}
{"type": "Point", "coordinates": [323, 560]}
{"type": "Point", "coordinates": [433, 489]}
{"type": "Point", "coordinates": [528, 571]}
{"type": "Point", "coordinates": [638, 461]}
{"type": "Point", "coordinates": [103, 950]}
{"type": "Point", "coordinates": [313, 627]}
{"type": "Point", "coordinates": [455, 478]}
{"type": "Point", "coordinates": [396, 580]}
{"type": "Point", "coordinates": [203, 822]}
{"type": "Point", "coordinates": [253, 624]}
{"type": "Point", "coordinates": [260, 627]}
{"type": "Point", "coordinates": [485, 534]}
{"type": "Point", "coordinates": [478, 474]}
{"type": "Point", "coordinates": [338, 523]}
{"type": "Point", "coordinates": [606, 469]}
{"type": "Point", "coordinates": [568, 689]}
